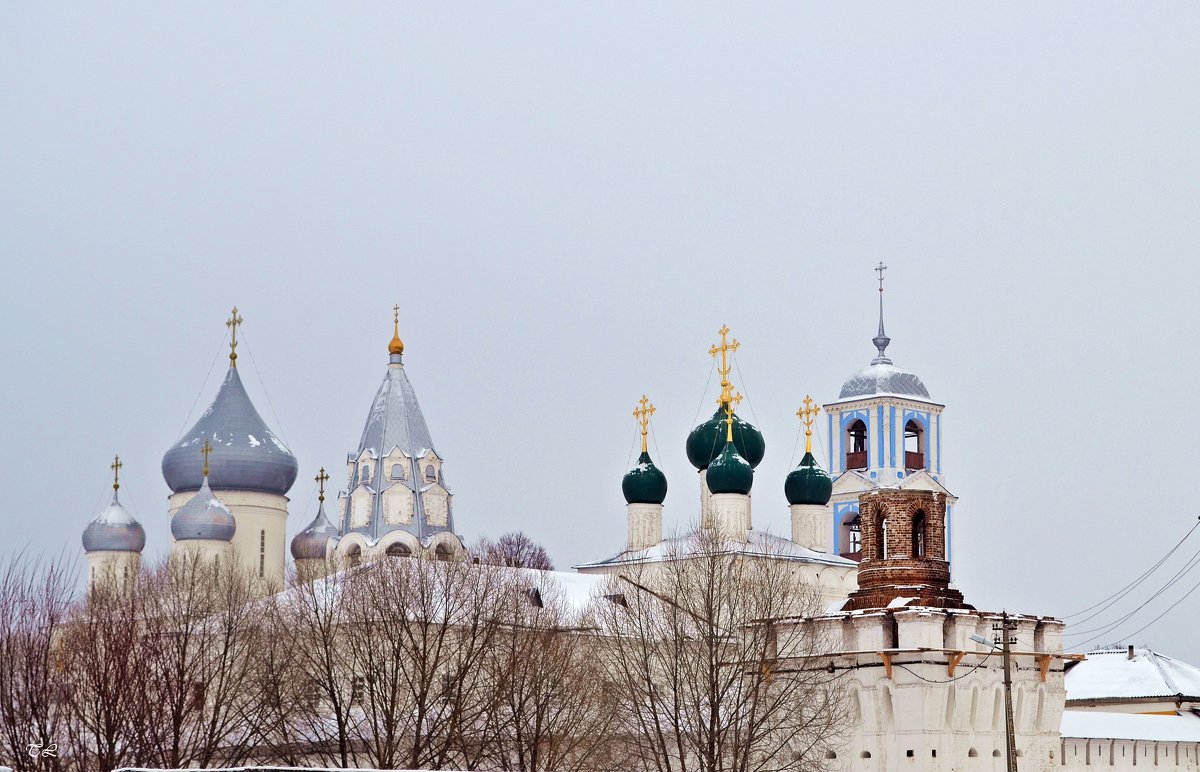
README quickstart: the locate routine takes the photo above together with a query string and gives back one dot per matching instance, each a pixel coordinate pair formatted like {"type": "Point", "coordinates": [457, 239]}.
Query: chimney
{"type": "Point", "coordinates": [1131, 651]}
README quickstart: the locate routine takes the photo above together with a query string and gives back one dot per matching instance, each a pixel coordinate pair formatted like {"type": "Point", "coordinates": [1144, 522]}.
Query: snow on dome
{"type": "Point", "coordinates": [203, 517]}
{"type": "Point", "coordinates": [115, 530]}
{"type": "Point", "coordinates": [883, 378]}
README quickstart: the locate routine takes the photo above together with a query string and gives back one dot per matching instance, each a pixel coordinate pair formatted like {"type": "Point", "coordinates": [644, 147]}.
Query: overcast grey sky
{"type": "Point", "coordinates": [567, 201]}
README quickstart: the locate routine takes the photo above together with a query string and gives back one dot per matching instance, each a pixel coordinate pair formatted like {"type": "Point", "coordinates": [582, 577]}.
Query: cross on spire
{"type": "Point", "coordinates": [727, 398]}
{"type": "Point", "coordinates": [321, 478]}
{"type": "Point", "coordinates": [808, 414]}
{"type": "Point", "coordinates": [115, 466]}
{"type": "Point", "coordinates": [206, 450]}
{"type": "Point", "coordinates": [396, 346]}
{"type": "Point", "coordinates": [642, 413]}
{"type": "Point", "coordinates": [881, 340]}
{"type": "Point", "coordinates": [232, 323]}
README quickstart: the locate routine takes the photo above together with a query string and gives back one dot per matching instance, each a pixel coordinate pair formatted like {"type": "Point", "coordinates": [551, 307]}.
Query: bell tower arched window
{"type": "Point", "coordinates": [852, 536]}
{"type": "Point", "coordinates": [881, 537]}
{"type": "Point", "coordinates": [918, 535]}
{"type": "Point", "coordinates": [914, 445]}
{"type": "Point", "coordinates": [856, 445]}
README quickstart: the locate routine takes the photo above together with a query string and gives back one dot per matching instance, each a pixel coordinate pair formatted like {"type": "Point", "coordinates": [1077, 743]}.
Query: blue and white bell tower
{"type": "Point", "coordinates": [883, 430]}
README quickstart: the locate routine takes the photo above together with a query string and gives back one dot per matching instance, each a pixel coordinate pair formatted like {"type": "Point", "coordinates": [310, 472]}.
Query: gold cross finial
{"type": "Point", "coordinates": [321, 478]}
{"type": "Point", "coordinates": [206, 451]}
{"type": "Point", "coordinates": [642, 413]}
{"type": "Point", "coordinates": [727, 398]}
{"type": "Point", "coordinates": [808, 414]}
{"type": "Point", "coordinates": [115, 466]}
{"type": "Point", "coordinates": [232, 323]}
{"type": "Point", "coordinates": [396, 346]}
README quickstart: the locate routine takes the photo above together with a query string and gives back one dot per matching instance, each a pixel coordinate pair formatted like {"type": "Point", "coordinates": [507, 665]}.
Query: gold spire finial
{"type": "Point", "coordinates": [232, 323]}
{"type": "Point", "coordinates": [116, 467]}
{"type": "Point", "coordinates": [206, 451]}
{"type": "Point", "coordinates": [321, 478]}
{"type": "Point", "coordinates": [642, 413]}
{"type": "Point", "coordinates": [808, 414]}
{"type": "Point", "coordinates": [396, 346]}
{"type": "Point", "coordinates": [728, 398]}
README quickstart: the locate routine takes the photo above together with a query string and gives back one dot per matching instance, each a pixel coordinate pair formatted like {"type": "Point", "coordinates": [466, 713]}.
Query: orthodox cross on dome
{"type": "Point", "coordinates": [206, 451]}
{"type": "Point", "coordinates": [808, 414]}
{"type": "Point", "coordinates": [115, 466]}
{"type": "Point", "coordinates": [727, 398]}
{"type": "Point", "coordinates": [881, 340]}
{"type": "Point", "coordinates": [321, 478]}
{"type": "Point", "coordinates": [232, 323]}
{"type": "Point", "coordinates": [642, 413]}
{"type": "Point", "coordinates": [396, 346]}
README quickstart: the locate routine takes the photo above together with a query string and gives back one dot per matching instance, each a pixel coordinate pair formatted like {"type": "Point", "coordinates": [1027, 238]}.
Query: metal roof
{"type": "Point", "coordinates": [883, 377]}
{"type": "Point", "coordinates": [203, 517]}
{"type": "Point", "coordinates": [313, 540]}
{"type": "Point", "coordinates": [115, 530]}
{"type": "Point", "coordinates": [395, 421]}
{"type": "Point", "coordinates": [247, 455]}
{"type": "Point", "coordinates": [1111, 675]}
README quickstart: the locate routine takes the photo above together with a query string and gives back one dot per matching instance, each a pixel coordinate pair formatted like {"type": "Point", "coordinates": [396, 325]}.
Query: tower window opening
{"type": "Point", "coordinates": [262, 553]}
{"type": "Point", "coordinates": [398, 550]}
{"type": "Point", "coordinates": [856, 445]}
{"type": "Point", "coordinates": [354, 556]}
{"type": "Point", "coordinates": [852, 536]}
{"type": "Point", "coordinates": [881, 537]}
{"type": "Point", "coordinates": [914, 446]}
{"type": "Point", "coordinates": [430, 474]}
{"type": "Point", "coordinates": [364, 473]}
{"type": "Point", "coordinates": [918, 535]}
{"type": "Point", "coordinates": [442, 552]}
{"type": "Point", "coordinates": [397, 472]}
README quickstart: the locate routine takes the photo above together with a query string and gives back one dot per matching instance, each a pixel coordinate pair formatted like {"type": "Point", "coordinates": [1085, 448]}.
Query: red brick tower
{"type": "Point", "coordinates": [903, 551]}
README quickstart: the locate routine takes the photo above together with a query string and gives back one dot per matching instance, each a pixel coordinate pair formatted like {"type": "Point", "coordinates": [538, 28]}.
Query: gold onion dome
{"type": "Point", "coordinates": [396, 346]}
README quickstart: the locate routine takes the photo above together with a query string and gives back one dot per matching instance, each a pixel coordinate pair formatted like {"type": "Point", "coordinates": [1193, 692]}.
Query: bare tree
{"type": "Point", "coordinates": [692, 653]}
{"type": "Point", "coordinates": [551, 711]}
{"type": "Point", "coordinates": [35, 599]}
{"type": "Point", "coordinates": [315, 711]}
{"type": "Point", "coordinates": [198, 640]}
{"type": "Point", "coordinates": [514, 550]}
{"type": "Point", "coordinates": [417, 631]}
{"type": "Point", "coordinates": [102, 654]}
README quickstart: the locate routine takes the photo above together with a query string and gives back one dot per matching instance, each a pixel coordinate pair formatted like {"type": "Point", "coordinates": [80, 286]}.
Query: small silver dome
{"type": "Point", "coordinates": [311, 543]}
{"type": "Point", "coordinates": [203, 517]}
{"type": "Point", "coordinates": [248, 456]}
{"type": "Point", "coordinates": [883, 378]}
{"type": "Point", "coordinates": [114, 530]}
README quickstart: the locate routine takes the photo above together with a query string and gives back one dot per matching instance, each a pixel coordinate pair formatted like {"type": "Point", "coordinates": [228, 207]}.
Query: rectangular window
{"type": "Point", "coordinates": [262, 553]}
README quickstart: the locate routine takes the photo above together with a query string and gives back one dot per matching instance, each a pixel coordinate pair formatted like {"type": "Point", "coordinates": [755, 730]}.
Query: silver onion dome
{"type": "Point", "coordinates": [203, 517]}
{"type": "Point", "coordinates": [114, 530]}
{"type": "Point", "coordinates": [249, 456]}
{"type": "Point", "coordinates": [883, 378]}
{"type": "Point", "coordinates": [312, 542]}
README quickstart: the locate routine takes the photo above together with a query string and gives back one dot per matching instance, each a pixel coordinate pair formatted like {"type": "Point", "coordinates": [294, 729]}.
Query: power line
{"type": "Point", "coordinates": [1105, 629]}
{"type": "Point", "coordinates": [1127, 588]}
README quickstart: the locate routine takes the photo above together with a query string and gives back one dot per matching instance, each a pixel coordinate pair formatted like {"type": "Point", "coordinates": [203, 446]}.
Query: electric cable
{"type": "Point", "coordinates": [200, 392]}
{"type": "Point", "coordinates": [1124, 590]}
{"type": "Point", "coordinates": [1191, 564]}
{"type": "Point", "coordinates": [977, 665]}
{"type": "Point", "coordinates": [263, 385]}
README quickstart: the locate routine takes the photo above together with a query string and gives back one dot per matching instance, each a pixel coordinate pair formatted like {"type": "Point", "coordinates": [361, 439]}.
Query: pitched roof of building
{"type": "Point", "coordinates": [1095, 724]}
{"type": "Point", "coordinates": [1110, 674]}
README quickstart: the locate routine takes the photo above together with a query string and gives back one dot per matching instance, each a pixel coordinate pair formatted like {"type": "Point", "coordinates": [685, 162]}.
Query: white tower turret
{"type": "Point", "coordinates": [113, 542]}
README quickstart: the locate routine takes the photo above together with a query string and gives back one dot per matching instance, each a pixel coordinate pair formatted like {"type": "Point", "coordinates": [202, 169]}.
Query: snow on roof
{"type": "Point", "coordinates": [758, 543]}
{"type": "Point", "coordinates": [1094, 724]}
{"type": "Point", "coordinates": [1109, 674]}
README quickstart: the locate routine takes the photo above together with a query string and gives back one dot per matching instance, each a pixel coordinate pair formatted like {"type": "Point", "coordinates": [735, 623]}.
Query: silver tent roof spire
{"type": "Point", "coordinates": [881, 340]}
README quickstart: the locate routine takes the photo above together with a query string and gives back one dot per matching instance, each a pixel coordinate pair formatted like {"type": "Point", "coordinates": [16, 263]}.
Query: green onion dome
{"type": "Point", "coordinates": [645, 483]}
{"type": "Point", "coordinates": [729, 472]}
{"type": "Point", "coordinates": [707, 440]}
{"type": "Point", "coordinates": [808, 483]}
